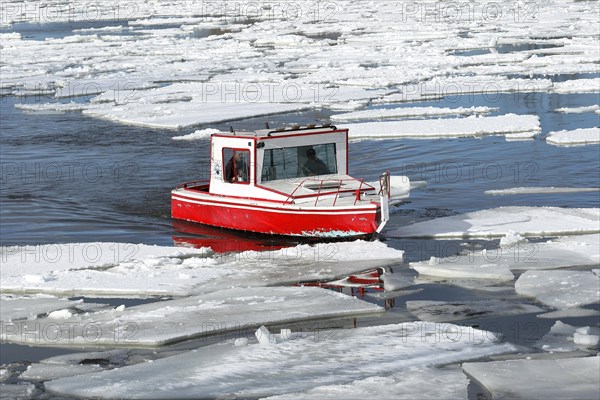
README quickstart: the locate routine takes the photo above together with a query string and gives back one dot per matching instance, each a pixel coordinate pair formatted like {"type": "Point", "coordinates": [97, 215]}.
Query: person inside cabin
{"type": "Point", "coordinates": [236, 169]}
{"type": "Point", "coordinates": [313, 164]}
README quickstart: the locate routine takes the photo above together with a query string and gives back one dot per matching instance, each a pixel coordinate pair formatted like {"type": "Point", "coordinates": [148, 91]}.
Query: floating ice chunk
{"type": "Point", "coordinates": [515, 253]}
{"type": "Point", "coordinates": [46, 107]}
{"type": "Point", "coordinates": [579, 110]}
{"type": "Point", "coordinates": [321, 358]}
{"type": "Point", "coordinates": [60, 314]}
{"type": "Point", "coordinates": [586, 336]}
{"type": "Point", "coordinates": [539, 190]}
{"type": "Point", "coordinates": [497, 222]}
{"type": "Point", "coordinates": [575, 137]}
{"type": "Point", "coordinates": [410, 112]}
{"type": "Point", "coordinates": [185, 114]}
{"type": "Point", "coordinates": [521, 136]}
{"type": "Point", "coordinates": [560, 289]}
{"type": "Point", "coordinates": [438, 128]}
{"type": "Point", "coordinates": [578, 86]}
{"type": "Point", "coordinates": [511, 239]}
{"type": "Point", "coordinates": [165, 322]}
{"type": "Point", "coordinates": [566, 338]}
{"type": "Point", "coordinates": [571, 378]}
{"type": "Point", "coordinates": [264, 337]}
{"type": "Point", "coordinates": [443, 311]}
{"type": "Point", "coordinates": [199, 134]}
{"type": "Point", "coordinates": [23, 308]}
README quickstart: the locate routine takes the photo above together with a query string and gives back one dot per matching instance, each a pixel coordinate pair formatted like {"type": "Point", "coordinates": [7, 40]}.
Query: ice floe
{"type": "Point", "coordinates": [565, 338]}
{"type": "Point", "coordinates": [411, 112]}
{"type": "Point", "coordinates": [439, 128]}
{"type": "Point", "coordinates": [444, 311]}
{"type": "Point", "coordinates": [139, 271]}
{"type": "Point", "coordinates": [575, 137]}
{"type": "Point", "coordinates": [578, 86]}
{"type": "Point", "coordinates": [160, 323]}
{"type": "Point", "coordinates": [538, 190]}
{"type": "Point", "coordinates": [560, 289]}
{"type": "Point", "coordinates": [570, 378]}
{"type": "Point", "coordinates": [303, 362]}
{"type": "Point", "coordinates": [578, 110]}
{"type": "Point", "coordinates": [498, 222]}
{"type": "Point", "coordinates": [198, 134]}
{"type": "Point", "coordinates": [514, 254]}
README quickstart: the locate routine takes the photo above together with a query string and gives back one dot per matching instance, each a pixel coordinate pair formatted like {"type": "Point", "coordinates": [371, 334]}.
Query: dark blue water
{"type": "Point", "coordinates": [67, 177]}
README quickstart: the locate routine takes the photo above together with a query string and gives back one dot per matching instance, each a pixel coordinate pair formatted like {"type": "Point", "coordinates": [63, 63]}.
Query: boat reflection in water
{"type": "Point", "coordinates": [220, 240]}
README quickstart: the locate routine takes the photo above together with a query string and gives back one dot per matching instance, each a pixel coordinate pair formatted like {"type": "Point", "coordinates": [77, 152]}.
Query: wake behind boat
{"type": "Point", "coordinates": [290, 182]}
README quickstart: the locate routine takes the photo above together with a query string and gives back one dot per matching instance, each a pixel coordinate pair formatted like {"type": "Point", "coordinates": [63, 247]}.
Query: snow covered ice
{"type": "Point", "coordinates": [144, 45]}
{"type": "Point", "coordinates": [516, 255]}
{"type": "Point", "coordinates": [527, 221]}
{"type": "Point", "coordinates": [97, 269]}
{"type": "Point", "coordinates": [577, 137]}
{"type": "Point", "coordinates": [160, 323]}
{"type": "Point", "coordinates": [295, 365]}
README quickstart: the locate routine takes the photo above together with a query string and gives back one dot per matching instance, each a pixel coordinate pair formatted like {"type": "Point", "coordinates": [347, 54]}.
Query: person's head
{"type": "Point", "coordinates": [311, 153]}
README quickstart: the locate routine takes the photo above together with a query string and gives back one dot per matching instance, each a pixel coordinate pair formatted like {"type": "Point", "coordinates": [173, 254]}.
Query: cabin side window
{"type": "Point", "coordinates": [299, 161]}
{"type": "Point", "coordinates": [236, 164]}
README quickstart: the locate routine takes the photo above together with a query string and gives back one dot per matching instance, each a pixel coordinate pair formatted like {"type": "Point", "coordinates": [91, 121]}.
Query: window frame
{"type": "Point", "coordinates": [235, 150]}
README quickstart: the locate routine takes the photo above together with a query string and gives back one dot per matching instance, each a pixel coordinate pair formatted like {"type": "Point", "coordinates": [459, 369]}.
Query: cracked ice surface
{"type": "Point", "coordinates": [302, 363]}
{"type": "Point", "coordinates": [501, 221]}
{"type": "Point", "coordinates": [160, 323]}
{"type": "Point", "coordinates": [156, 271]}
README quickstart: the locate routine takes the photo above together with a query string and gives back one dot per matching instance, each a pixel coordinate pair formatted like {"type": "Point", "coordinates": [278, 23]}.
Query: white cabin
{"type": "Point", "coordinates": [282, 165]}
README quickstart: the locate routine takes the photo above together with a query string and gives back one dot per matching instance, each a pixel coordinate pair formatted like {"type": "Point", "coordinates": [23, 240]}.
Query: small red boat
{"type": "Point", "coordinates": [290, 182]}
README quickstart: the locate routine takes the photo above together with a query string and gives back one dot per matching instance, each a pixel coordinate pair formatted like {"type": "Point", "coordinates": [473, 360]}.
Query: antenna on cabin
{"type": "Point", "coordinates": [267, 125]}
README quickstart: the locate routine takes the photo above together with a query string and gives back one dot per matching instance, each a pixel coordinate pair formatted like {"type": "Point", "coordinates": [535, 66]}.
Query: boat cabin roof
{"type": "Point", "coordinates": [280, 132]}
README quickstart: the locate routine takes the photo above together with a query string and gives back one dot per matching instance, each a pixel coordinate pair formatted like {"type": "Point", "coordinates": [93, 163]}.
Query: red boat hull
{"type": "Point", "coordinates": [278, 220]}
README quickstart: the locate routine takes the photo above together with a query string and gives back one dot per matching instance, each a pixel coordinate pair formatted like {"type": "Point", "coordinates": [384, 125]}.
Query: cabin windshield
{"type": "Point", "coordinates": [299, 161]}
